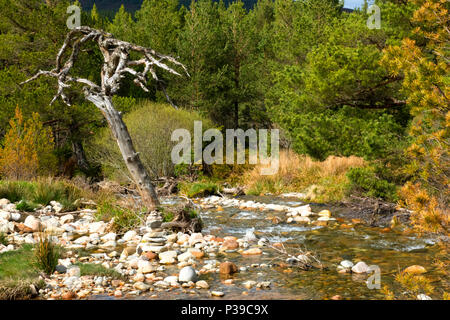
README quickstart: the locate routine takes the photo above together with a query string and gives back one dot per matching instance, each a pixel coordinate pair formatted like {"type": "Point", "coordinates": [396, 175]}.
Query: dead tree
{"type": "Point", "coordinates": [117, 63]}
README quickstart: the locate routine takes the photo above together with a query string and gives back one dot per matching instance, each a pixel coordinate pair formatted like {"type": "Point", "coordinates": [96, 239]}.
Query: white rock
{"type": "Point", "coordinates": [423, 297]}
{"type": "Point", "coordinates": [4, 202]}
{"type": "Point", "coordinates": [109, 237]}
{"type": "Point", "coordinates": [82, 240]}
{"type": "Point", "coordinates": [347, 264]}
{"type": "Point", "coordinates": [32, 223]}
{"type": "Point", "coordinates": [68, 218]}
{"type": "Point", "coordinates": [185, 256]}
{"type": "Point", "coordinates": [5, 215]}
{"type": "Point", "coordinates": [171, 279]}
{"type": "Point", "coordinates": [73, 271]}
{"type": "Point", "coordinates": [360, 267]}
{"type": "Point", "coordinates": [145, 266]}
{"type": "Point", "coordinates": [217, 293]}
{"type": "Point", "coordinates": [187, 274]}
{"type": "Point", "coordinates": [129, 235]}
{"type": "Point", "coordinates": [97, 227]}
{"type": "Point", "coordinates": [15, 216]}
{"type": "Point", "coordinates": [141, 286]}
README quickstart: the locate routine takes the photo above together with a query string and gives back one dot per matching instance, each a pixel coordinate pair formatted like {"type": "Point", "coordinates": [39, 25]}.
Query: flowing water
{"type": "Point", "coordinates": [390, 250]}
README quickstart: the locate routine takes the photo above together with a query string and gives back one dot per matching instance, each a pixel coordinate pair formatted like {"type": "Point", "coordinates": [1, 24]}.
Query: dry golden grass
{"type": "Point", "coordinates": [326, 180]}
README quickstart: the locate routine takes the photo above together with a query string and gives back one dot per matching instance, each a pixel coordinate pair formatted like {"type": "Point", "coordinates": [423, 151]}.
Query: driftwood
{"type": "Point", "coordinates": [117, 64]}
{"type": "Point", "coordinates": [183, 221]}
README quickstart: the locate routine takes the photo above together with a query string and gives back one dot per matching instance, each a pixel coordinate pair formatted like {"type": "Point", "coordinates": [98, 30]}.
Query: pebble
{"type": "Point", "coordinates": [217, 293]}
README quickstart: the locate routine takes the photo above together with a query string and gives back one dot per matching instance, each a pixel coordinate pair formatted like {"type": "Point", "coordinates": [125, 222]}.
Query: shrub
{"type": "Point", "coordinates": [46, 255]}
{"type": "Point", "coordinates": [151, 126]}
{"type": "Point", "coordinates": [28, 149]}
{"type": "Point", "coordinates": [300, 173]}
{"type": "Point", "coordinates": [367, 181]}
{"type": "Point", "coordinates": [124, 218]}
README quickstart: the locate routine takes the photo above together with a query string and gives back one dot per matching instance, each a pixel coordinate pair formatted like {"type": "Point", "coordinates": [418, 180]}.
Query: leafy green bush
{"type": "Point", "coordinates": [151, 126]}
{"type": "Point", "coordinates": [367, 181]}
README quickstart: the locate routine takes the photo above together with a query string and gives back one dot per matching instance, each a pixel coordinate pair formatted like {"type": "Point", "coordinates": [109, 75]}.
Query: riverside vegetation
{"type": "Point", "coordinates": [364, 121]}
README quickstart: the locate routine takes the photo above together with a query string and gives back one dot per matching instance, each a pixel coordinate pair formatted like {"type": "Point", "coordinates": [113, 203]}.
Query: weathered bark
{"type": "Point", "coordinates": [129, 154]}
{"type": "Point", "coordinates": [117, 63]}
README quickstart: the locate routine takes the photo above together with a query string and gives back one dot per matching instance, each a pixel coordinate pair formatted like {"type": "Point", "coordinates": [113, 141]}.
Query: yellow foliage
{"type": "Point", "coordinates": [425, 69]}
{"type": "Point", "coordinates": [427, 215]}
{"type": "Point", "coordinates": [27, 148]}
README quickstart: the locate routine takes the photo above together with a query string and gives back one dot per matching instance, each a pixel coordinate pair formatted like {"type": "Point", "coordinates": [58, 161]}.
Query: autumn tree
{"type": "Point", "coordinates": [424, 65]}
{"type": "Point", "coordinates": [27, 149]}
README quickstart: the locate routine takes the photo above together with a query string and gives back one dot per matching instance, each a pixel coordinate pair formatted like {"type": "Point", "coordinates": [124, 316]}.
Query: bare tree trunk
{"type": "Point", "coordinates": [129, 154]}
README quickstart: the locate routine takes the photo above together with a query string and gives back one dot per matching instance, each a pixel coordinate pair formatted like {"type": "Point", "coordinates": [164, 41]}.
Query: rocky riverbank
{"type": "Point", "coordinates": [151, 262]}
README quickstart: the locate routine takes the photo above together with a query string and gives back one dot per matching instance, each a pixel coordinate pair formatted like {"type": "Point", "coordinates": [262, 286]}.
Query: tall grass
{"type": "Point", "coordinates": [42, 191]}
{"type": "Point", "coordinates": [46, 255]}
{"type": "Point", "coordinates": [298, 173]}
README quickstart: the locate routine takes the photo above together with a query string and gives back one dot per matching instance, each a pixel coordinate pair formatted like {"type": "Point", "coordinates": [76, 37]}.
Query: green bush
{"type": "Point", "coordinates": [150, 126]}
{"type": "Point", "coordinates": [124, 219]}
{"type": "Point", "coordinates": [366, 181]}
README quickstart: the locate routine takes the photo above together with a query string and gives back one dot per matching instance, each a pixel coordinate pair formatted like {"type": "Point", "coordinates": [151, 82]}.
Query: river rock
{"type": "Point", "coordinates": [5, 215]}
{"type": "Point", "coordinates": [252, 251]}
{"type": "Point", "coordinates": [61, 269]}
{"type": "Point", "coordinates": [202, 284]}
{"type": "Point", "coordinates": [167, 257]}
{"type": "Point", "coordinates": [129, 235]}
{"type": "Point", "coordinates": [227, 268]}
{"type": "Point", "coordinates": [187, 274]}
{"type": "Point", "coordinates": [217, 293]}
{"type": "Point", "coordinates": [415, 269]}
{"type": "Point", "coordinates": [347, 264]}
{"type": "Point", "coordinates": [141, 286]}
{"type": "Point", "coordinates": [145, 266]}
{"type": "Point", "coordinates": [360, 267]}
{"type": "Point", "coordinates": [229, 244]}
{"type": "Point", "coordinates": [249, 284]}
{"type": "Point", "coordinates": [15, 216]}
{"type": "Point", "coordinates": [185, 256]}
{"type": "Point", "coordinates": [33, 223]}
{"type": "Point", "coordinates": [4, 202]}
{"type": "Point", "coordinates": [173, 280]}
{"type": "Point", "coordinates": [73, 271]}
{"type": "Point", "coordinates": [97, 227]}
{"type": "Point", "coordinates": [68, 218]}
